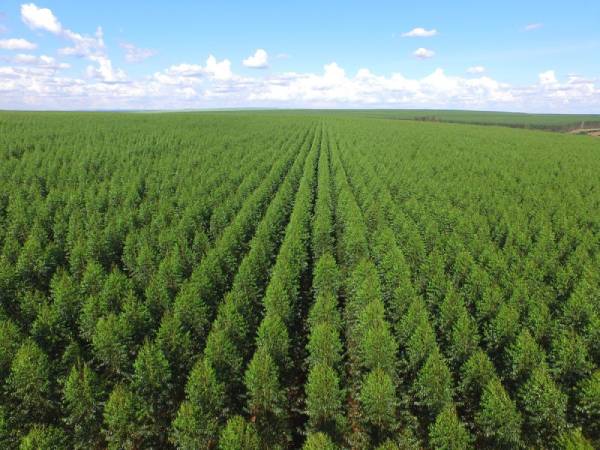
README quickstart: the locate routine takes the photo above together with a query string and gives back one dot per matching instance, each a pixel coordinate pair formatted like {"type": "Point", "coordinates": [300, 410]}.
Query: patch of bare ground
{"type": "Point", "coordinates": [589, 131]}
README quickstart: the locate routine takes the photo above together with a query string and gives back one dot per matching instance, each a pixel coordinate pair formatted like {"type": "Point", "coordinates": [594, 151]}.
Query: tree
{"type": "Point", "coordinates": [112, 345]}
{"type": "Point", "coordinates": [323, 398]}
{"type": "Point", "coordinates": [448, 432]}
{"type": "Point", "coordinates": [324, 345]}
{"type": "Point", "coordinates": [378, 349]}
{"type": "Point", "coordinates": [420, 345]}
{"type": "Point", "coordinates": [197, 422]}
{"type": "Point", "coordinates": [326, 276]}
{"type": "Point", "coordinates": [262, 382]}
{"type": "Point", "coordinates": [151, 383]}
{"type": "Point", "coordinates": [81, 400]}
{"type": "Point", "coordinates": [28, 385]}
{"type": "Point", "coordinates": [475, 374]}
{"type": "Point", "coordinates": [176, 345]}
{"type": "Point", "coordinates": [239, 434]}
{"type": "Point", "coordinates": [223, 356]}
{"type": "Point", "coordinates": [378, 400]}
{"type": "Point", "coordinates": [318, 441]}
{"type": "Point", "coordinates": [273, 337]}
{"type": "Point", "coordinates": [452, 307]}
{"type": "Point", "coordinates": [569, 358]}
{"type": "Point", "coordinates": [10, 341]}
{"type": "Point", "coordinates": [464, 339]}
{"type": "Point", "coordinates": [121, 420]}
{"type": "Point", "coordinates": [524, 355]}
{"type": "Point", "coordinates": [544, 407]}
{"type": "Point", "coordinates": [45, 437]}
{"type": "Point", "coordinates": [325, 309]}
{"type": "Point", "coordinates": [503, 327]}
{"type": "Point", "coordinates": [573, 439]}
{"type": "Point", "coordinates": [498, 418]}
{"type": "Point", "coordinates": [192, 312]}
{"type": "Point", "coordinates": [588, 405]}
{"type": "Point", "coordinates": [433, 386]}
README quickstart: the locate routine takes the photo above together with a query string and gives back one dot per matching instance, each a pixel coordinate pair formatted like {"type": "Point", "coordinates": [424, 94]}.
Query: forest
{"type": "Point", "coordinates": [312, 280]}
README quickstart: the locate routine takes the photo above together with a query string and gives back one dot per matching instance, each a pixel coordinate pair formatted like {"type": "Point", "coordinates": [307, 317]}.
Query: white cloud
{"type": "Point", "coordinates": [476, 70]}
{"type": "Point", "coordinates": [420, 32]}
{"type": "Point", "coordinates": [91, 48]}
{"type": "Point", "coordinates": [282, 56]}
{"type": "Point", "coordinates": [104, 71]}
{"type": "Point", "coordinates": [190, 74]}
{"type": "Point", "coordinates": [84, 46]}
{"type": "Point", "coordinates": [135, 54]}
{"type": "Point", "coordinates": [548, 78]}
{"type": "Point", "coordinates": [218, 70]}
{"type": "Point", "coordinates": [17, 44]}
{"type": "Point", "coordinates": [423, 53]}
{"type": "Point", "coordinates": [259, 60]}
{"type": "Point", "coordinates": [33, 82]}
{"type": "Point", "coordinates": [40, 18]}
{"type": "Point", "coordinates": [533, 26]}
{"type": "Point", "coordinates": [3, 29]}
{"type": "Point", "coordinates": [42, 61]}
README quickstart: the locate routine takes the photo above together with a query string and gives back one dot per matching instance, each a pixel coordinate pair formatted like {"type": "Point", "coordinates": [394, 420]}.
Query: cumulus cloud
{"type": "Point", "coordinates": [420, 32]}
{"type": "Point", "coordinates": [533, 26]}
{"type": "Point", "coordinates": [548, 78]}
{"type": "Point", "coordinates": [259, 60]}
{"type": "Point", "coordinates": [40, 18]}
{"type": "Point", "coordinates": [91, 48]}
{"type": "Point", "coordinates": [104, 70]}
{"type": "Point", "coordinates": [476, 70]}
{"type": "Point", "coordinates": [43, 61]}
{"type": "Point", "coordinates": [135, 54]}
{"type": "Point", "coordinates": [31, 82]}
{"type": "Point", "coordinates": [191, 74]}
{"type": "Point", "coordinates": [17, 44]}
{"type": "Point", "coordinates": [423, 53]}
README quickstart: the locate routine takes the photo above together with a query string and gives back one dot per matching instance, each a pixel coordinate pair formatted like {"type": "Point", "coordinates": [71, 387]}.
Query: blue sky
{"type": "Point", "coordinates": [523, 56]}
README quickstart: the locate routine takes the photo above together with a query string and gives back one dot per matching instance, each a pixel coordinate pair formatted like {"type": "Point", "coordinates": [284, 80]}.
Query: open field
{"type": "Point", "coordinates": [314, 280]}
{"type": "Point", "coordinates": [553, 122]}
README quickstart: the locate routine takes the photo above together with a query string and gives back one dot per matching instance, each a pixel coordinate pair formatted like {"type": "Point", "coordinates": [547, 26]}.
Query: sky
{"type": "Point", "coordinates": [531, 56]}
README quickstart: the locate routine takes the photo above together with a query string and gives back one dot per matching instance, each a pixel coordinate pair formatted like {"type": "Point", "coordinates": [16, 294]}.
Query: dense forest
{"type": "Point", "coordinates": [266, 280]}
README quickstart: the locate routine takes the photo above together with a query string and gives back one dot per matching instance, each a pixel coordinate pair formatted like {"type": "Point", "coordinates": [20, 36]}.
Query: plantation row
{"type": "Point", "coordinates": [249, 281]}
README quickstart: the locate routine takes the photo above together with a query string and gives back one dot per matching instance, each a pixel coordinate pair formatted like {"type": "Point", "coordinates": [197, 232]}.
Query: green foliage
{"type": "Point", "coordinates": [433, 386]}
{"type": "Point", "coordinates": [573, 440]}
{"type": "Point", "coordinates": [544, 407]}
{"type": "Point", "coordinates": [498, 418]}
{"type": "Point", "coordinates": [324, 345]}
{"type": "Point", "coordinates": [82, 396]}
{"type": "Point", "coordinates": [318, 441]}
{"type": "Point", "coordinates": [121, 419]}
{"type": "Point", "coordinates": [588, 405]}
{"type": "Point", "coordinates": [29, 385]}
{"type": "Point", "coordinates": [239, 434]}
{"type": "Point", "coordinates": [525, 355]}
{"type": "Point", "coordinates": [447, 432]}
{"type": "Point", "coordinates": [378, 400]}
{"type": "Point", "coordinates": [273, 338]}
{"type": "Point", "coordinates": [163, 276]}
{"type": "Point", "coordinates": [475, 374]}
{"type": "Point", "coordinates": [323, 398]}
{"type": "Point", "coordinates": [262, 383]}
{"type": "Point", "coordinates": [10, 341]}
{"type": "Point", "coordinates": [198, 419]}
{"type": "Point", "coordinates": [44, 437]}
